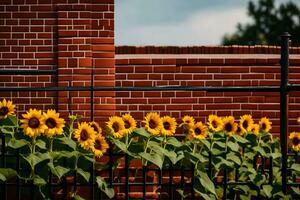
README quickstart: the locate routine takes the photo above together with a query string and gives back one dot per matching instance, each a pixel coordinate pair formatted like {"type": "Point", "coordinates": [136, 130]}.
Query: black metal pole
{"type": "Point", "coordinates": [284, 62]}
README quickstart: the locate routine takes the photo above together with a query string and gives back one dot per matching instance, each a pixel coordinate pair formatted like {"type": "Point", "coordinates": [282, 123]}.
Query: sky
{"type": "Point", "coordinates": [178, 22]}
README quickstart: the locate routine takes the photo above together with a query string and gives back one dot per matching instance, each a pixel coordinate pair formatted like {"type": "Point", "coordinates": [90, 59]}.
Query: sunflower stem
{"type": "Point", "coordinates": [51, 144]}
{"type": "Point", "coordinates": [144, 162]}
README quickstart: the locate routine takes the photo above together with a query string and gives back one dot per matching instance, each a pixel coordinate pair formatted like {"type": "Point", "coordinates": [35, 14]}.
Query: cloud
{"type": "Point", "coordinates": [202, 27]}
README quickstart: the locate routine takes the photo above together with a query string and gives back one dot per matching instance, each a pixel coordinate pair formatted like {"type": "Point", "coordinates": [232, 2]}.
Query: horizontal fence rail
{"type": "Point", "coordinates": [170, 186]}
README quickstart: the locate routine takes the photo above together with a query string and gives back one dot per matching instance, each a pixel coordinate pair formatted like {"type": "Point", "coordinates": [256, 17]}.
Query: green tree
{"type": "Point", "coordinates": [268, 23]}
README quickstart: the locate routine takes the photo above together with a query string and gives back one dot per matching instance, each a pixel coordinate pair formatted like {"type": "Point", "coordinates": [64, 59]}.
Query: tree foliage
{"type": "Point", "coordinates": [268, 22]}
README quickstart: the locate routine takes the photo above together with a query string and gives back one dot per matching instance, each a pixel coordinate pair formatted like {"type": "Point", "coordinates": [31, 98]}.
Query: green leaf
{"type": "Point", "coordinates": [7, 130]}
{"type": "Point", "coordinates": [119, 144]}
{"type": "Point", "coordinates": [7, 173]}
{"type": "Point", "coordinates": [10, 120]}
{"type": "Point", "coordinates": [77, 197]}
{"type": "Point", "coordinates": [58, 171]}
{"type": "Point", "coordinates": [142, 132]}
{"type": "Point", "coordinates": [154, 158]}
{"type": "Point", "coordinates": [206, 182]}
{"type": "Point", "coordinates": [69, 142]}
{"type": "Point", "coordinates": [260, 150]}
{"type": "Point", "coordinates": [234, 158]}
{"type": "Point", "coordinates": [174, 142]}
{"type": "Point", "coordinates": [220, 144]}
{"type": "Point", "coordinates": [84, 174]}
{"type": "Point", "coordinates": [102, 185]}
{"type": "Point", "coordinates": [296, 190]}
{"type": "Point", "coordinates": [267, 189]}
{"type": "Point", "coordinates": [34, 159]}
{"type": "Point", "coordinates": [16, 144]}
{"type": "Point", "coordinates": [41, 144]}
{"type": "Point", "coordinates": [181, 193]}
{"type": "Point", "coordinates": [240, 139]}
{"type": "Point", "coordinates": [296, 167]}
{"type": "Point", "coordinates": [233, 146]}
{"type": "Point", "coordinates": [37, 180]}
{"type": "Point", "coordinates": [198, 156]}
{"type": "Point", "coordinates": [276, 155]}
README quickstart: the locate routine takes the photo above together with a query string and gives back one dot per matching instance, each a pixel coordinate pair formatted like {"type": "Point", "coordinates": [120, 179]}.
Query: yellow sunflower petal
{"type": "Point", "coordinates": [169, 126]}
{"type": "Point", "coordinates": [54, 124]}
{"type": "Point", "coordinates": [199, 131]}
{"type": "Point", "coordinates": [100, 145]}
{"type": "Point", "coordinates": [246, 123]}
{"type": "Point", "coordinates": [129, 123]}
{"type": "Point", "coordinates": [230, 126]}
{"type": "Point", "coordinates": [265, 124]}
{"type": "Point", "coordinates": [215, 123]}
{"type": "Point", "coordinates": [115, 127]}
{"type": "Point", "coordinates": [6, 108]}
{"type": "Point", "coordinates": [85, 135]}
{"type": "Point", "coordinates": [153, 123]}
{"type": "Point", "coordinates": [33, 123]}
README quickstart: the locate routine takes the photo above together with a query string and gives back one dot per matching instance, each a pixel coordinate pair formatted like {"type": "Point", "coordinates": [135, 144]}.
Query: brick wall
{"type": "Point", "coordinates": [74, 37]}
{"type": "Point", "coordinates": [204, 70]}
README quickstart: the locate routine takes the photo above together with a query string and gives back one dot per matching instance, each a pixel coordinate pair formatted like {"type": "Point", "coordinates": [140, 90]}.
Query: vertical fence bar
{"type": "Point", "coordinates": [126, 177]}
{"type": "Point", "coordinates": [171, 196]}
{"type": "Point", "coordinates": [225, 184]}
{"type": "Point", "coordinates": [144, 182]}
{"type": "Point", "coordinates": [92, 180]}
{"type": "Point", "coordinates": [284, 62]}
{"type": "Point", "coordinates": [18, 171]}
{"type": "Point", "coordinates": [271, 171]}
{"type": "Point", "coordinates": [3, 160]}
{"type": "Point", "coordinates": [193, 182]}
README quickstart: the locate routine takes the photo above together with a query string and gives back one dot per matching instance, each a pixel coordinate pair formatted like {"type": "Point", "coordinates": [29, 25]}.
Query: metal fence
{"type": "Point", "coordinates": [167, 187]}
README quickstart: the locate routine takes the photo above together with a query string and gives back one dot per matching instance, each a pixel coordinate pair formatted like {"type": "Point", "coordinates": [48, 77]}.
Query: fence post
{"type": "Point", "coordinates": [284, 62]}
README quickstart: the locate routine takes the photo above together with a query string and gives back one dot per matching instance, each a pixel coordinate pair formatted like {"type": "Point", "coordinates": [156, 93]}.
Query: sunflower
{"type": "Point", "coordinates": [115, 127]}
{"type": "Point", "coordinates": [96, 127]}
{"type": "Point", "coordinates": [6, 108]}
{"type": "Point", "coordinates": [230, 126]}
{"type": "Point", "coordinates": [54, 124]}
{"type": "Point", "coordinates": [187, 122]}
{"type": "Point", "coordinates": [298, 120]}
{"type": "Point", "coordinates": [85, 135]}
{"type": "Point", "coordinates": [215, 123]}
{"type": "Point", "coordinates": [130, 123]}
{"type": "Point", "coordinates": [169, 125]}
{"type": "Point", "coordinates": [238, 130]}
{"type": "Point", "coordinates": [255, 129]}
{"type": "Point", "coordinates": [33, 123]}
{"type": "Point", "coordinates": [295, 139]}
{"type": "Point", "coordinates": [100, 145]}
{"type": "Point", "coordinates": [153, 123]}
{"type": "Point", "coordinates": [265, 124]}
{"type": "Point", "coordinates": [246, 123]}
{"type": "Point", "coordinates": [199, 131]}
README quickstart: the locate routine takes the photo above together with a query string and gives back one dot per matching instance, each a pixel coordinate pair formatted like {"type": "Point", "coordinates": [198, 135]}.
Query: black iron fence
{"type": "Point", "coordinates": [168, 180]}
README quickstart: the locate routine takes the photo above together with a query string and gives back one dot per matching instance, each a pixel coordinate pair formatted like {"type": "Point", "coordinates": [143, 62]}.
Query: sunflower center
{"type": "Point", "coordinates": [3, 110]}
{"type": "Point", "coordinates": [51, 123]}
{"type": "Point", "coordinates": [98, 145]}
{"type": "Point", "coordinates": [127, 124]}
{"type": "Point", "coordinates": [264, 126]}
{"type": "Point", "coordinates": [167, 125]}
{"type": "Point", "coordinates": [245, 124]}
{"type": "Point", "coordinates": [34, 122]}
{"type": "Point", "coordinates": [84, 135]}
{"type": "Point", "coordinates": [228, 127]}
{"type": "Point", "coordinates": [95, 128]}
{"type": "Point", "coordinates": [116, 127]}
{"type": "Point", "coordinates": [187, 121]}
{"type": "Point", "coordinates": [214, 124]}
{"type": "Point", "coordinates": [295, 141]}
{"type": "Point", "coordinates": [152, 124]}
{"type": "Point", "coordinates": [197, 131]}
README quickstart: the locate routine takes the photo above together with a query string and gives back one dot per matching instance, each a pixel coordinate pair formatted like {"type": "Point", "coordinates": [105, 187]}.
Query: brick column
{"type": "Point", "coordinates": [86, 56]}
